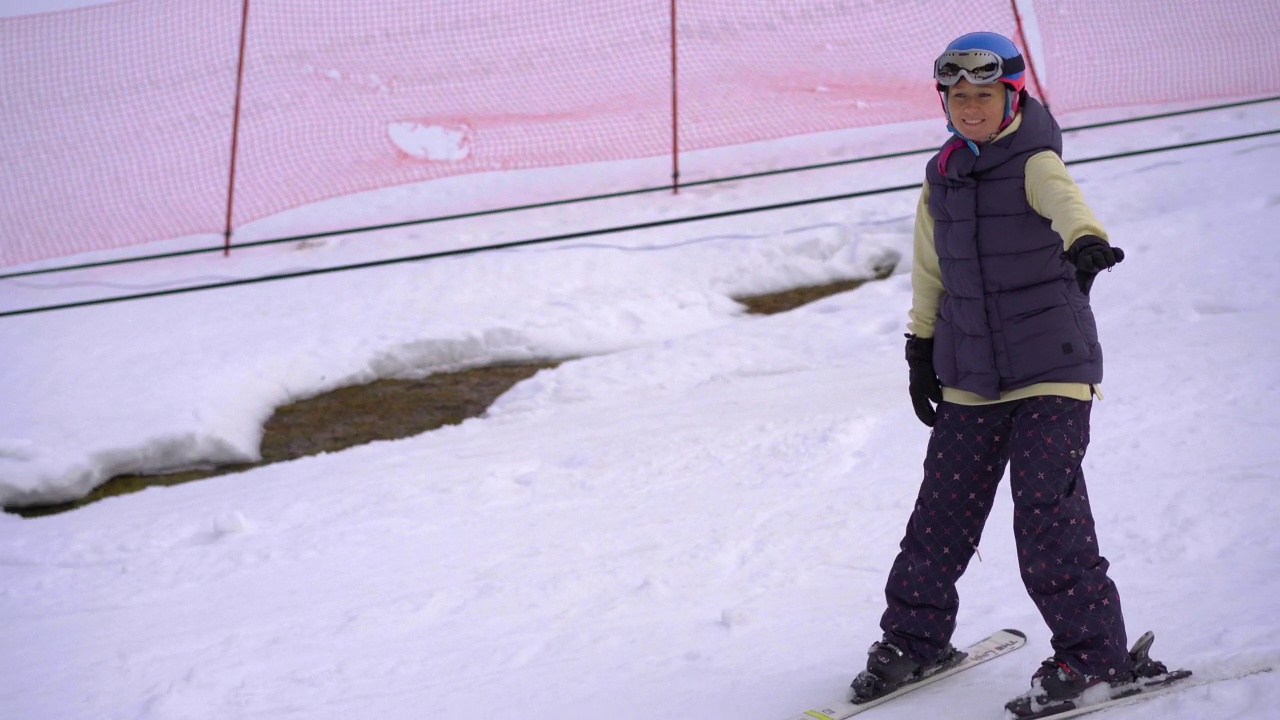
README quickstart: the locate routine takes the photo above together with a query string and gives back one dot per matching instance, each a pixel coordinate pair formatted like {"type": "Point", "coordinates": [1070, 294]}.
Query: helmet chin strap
{"type": "Point", "coordinates": [972, 145]}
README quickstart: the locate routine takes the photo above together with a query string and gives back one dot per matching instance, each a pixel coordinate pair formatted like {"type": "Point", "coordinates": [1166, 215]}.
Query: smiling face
{"type": "Point", "coordinates": [976, 110]}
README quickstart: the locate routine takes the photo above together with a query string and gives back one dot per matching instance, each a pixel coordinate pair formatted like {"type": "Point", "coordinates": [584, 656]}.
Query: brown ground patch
{"type": "Point", "coordinates": [391, 409]}
{"type": "Point", "coordinates": [794, 298]}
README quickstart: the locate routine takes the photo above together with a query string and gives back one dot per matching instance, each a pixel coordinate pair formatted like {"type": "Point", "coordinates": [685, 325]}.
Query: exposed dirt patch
{"type": "Point", "coordinates": [391, 409]}
{"type": "Point", "coordinates": [794, 298]}
{"type": "Point", "coordinates": [382, 410]}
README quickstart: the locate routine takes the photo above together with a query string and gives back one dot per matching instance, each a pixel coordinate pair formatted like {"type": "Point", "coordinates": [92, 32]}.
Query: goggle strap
{"type": "Point", "coordinates": [1013, 65]}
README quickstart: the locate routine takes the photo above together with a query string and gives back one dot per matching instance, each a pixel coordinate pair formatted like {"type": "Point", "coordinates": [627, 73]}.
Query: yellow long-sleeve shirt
{"type": "Point", "coordinates": [1054, 195]}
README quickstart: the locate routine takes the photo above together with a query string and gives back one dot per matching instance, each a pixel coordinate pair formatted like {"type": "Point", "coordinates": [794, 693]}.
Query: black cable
{"type": "Point", "coordinates": [462, 251]}
{"type": "Point", "coordinates": [1180, 146]}
{"type": "Point", "coordinates": [581, 234]}
{"type": "Point", "coordinates": [1173, 113]}
{"type": "Point", "coordinates": [585, 198]}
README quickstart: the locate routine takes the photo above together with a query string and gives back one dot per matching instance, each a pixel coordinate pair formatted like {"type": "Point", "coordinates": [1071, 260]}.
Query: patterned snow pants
{"type": "Point", "coordinates": [1042, 440]}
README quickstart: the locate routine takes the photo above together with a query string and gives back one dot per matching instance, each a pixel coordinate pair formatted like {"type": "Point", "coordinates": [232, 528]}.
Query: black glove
{"type": "Point", "coordinates": [1091, 255]}
{"type": "Point", "coordinates": [924, 383]}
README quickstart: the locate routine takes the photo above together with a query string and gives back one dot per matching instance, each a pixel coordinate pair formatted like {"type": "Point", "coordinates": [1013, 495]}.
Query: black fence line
{"type": "Point", "coordinates": [587, 198]}
{"type": "Point", "coordinates": [463, 251]}
{"type": "Point", "coordinates": [581, 234]}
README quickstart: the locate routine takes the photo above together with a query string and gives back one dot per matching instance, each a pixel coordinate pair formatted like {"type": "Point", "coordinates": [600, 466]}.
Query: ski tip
{"type": "Point", "coordinates": [1019, 633]}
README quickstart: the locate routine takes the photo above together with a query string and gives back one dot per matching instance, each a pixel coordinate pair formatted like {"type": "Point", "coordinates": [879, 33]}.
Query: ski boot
{"type": "Point", "coordinates": [1057, 687]}
{"type": "Point", "coordinates": [889, 667]}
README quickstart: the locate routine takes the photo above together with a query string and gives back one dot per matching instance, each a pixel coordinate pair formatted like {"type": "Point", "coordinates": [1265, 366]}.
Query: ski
{"type": "Point", "coordinates": [998, 643]}
{"type": "Point", "coordinates": [1126, 695]}
{"type": "Point", "coordinates": [1175, 681]}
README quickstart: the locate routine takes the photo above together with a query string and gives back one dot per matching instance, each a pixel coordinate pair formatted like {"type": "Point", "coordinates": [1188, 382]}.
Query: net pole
{"type": "Point", "coordinates": [235, 132]}
{"type": "Point", "coordinates": [675, 106]}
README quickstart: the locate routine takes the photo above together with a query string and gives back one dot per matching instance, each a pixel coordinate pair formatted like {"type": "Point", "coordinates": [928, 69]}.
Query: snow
{"type": "Point", "coordinates": [692, 517]}
{"type": "Point", "coordinates": [430, 142]}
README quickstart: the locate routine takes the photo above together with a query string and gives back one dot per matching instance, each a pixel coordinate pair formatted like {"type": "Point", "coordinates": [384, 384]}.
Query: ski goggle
{"type": "Point", "coordinates": [980, 67]}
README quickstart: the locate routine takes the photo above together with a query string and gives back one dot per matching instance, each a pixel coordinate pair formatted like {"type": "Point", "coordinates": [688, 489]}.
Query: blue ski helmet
{"type": "Point", "coordinates": [1011, 70]}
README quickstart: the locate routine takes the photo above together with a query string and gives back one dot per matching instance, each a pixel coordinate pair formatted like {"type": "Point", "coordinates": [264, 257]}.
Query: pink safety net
{"type": "Point", "coordinates": [344, 97]}
{"type": "Point", "coordinates": [116, 125]}
{"type": "Point", "coordinates": [1138, 52]}
{"type": "Point", "coordinates": [118, 118]}
{"type": "Point", "coordinates": [757, 71]}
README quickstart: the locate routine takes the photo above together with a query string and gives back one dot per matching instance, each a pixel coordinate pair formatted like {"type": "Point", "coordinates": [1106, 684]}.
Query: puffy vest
{"type": "Point", "coordinates": [1011, 313]}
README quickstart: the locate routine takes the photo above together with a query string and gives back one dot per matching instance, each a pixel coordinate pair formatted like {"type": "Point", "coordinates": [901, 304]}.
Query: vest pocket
{"type": "Point", "coordinates": [1045, 340]}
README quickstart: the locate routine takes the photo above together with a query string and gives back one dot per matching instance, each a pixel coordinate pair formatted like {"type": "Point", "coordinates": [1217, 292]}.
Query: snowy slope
{"type": "Point", "coordinates": [693, 520]}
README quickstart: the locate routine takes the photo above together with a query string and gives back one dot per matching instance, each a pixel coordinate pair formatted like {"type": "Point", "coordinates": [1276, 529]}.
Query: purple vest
{"type": "Point", "coordinates": [1011, 313]}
